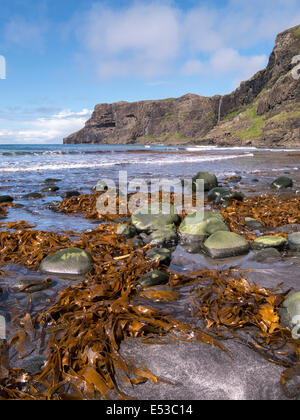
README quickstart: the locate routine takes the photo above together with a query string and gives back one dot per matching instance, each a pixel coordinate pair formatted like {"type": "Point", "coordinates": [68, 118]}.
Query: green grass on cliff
{"type": "Point", "coordinates": [296, 32]}
{"type": "Point", "coordinates": [257, 125]}
{"type": "Point", "coordinates": [235, 113]}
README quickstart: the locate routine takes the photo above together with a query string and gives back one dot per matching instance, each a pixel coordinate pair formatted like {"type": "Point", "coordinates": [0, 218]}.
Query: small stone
{"type": "Point", "coordinates": [51, 181]}
{"type": "Point", "coordinates": [127, 231]}
{"type": "Point", "coordinates": [253, 223]}
{"type": "Point", "coordinates": [153, 278]}
{"type": "Point", "coordinates": [227, 198]}
{"type": "Point", "coordinates": [267, 254]}
{"type": "Point", "coordinates": [294, 241]}
{"type": "Point", "coordinates": [282, 182]}
{"type": "Point", "coordinates": [226, 244]}
{"type": "Point", "coordinates": [69, 194]}
{"type": "Point", "coordinates": [70, 261]}
{"type": "Point", "coordinates": [210, 180]}
{"type": "Point", "coordinates": [290, 228]}
{"type": "Point", "coordinates": [161, 254]}
{"type": "Point", "coordinates": [163, 237]}
{"type": "Point", "coordinates": [52, 188]}
{"type": "Point", "coordinates": [6, 199]}
{"type": "Point", "coordinates": [138, 243]}
{"type": "Point", "coordinates": [216, 192]}
{"type": "Point", "coordinates": [270, 241]}
{"type": "Point", "coordinates": [32, 196]}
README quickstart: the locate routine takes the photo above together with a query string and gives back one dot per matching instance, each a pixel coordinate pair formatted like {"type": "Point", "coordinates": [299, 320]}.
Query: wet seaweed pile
{"type": "Point", "coordinates": [84, 328]}
{"type": "Point", "coordinates": [82, 331]}
{"type": "Point", "coordinates": [271, 210]}
{"type": "Point", "coordinates": [86, 205]}
{"type": "Point", "coordinates": [3, 208]}
{"type": "Point", "coordinates": [250, 314]}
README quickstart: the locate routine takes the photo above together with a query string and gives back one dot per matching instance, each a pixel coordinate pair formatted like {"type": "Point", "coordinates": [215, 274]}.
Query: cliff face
{"type": "Point", "coordinates": [265, 110]}
{"type": "Point", "coordinates": [179, 119]}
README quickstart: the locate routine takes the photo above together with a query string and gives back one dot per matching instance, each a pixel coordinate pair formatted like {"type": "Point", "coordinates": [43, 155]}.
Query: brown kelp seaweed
{"type": "Point", "coordinates": [86, 204]}
{"type": "Point", "coordinates": [88, 322]}
{"type": "Point", "coordinates": [82, 331]}
{"type": "Point", "coordinates": [271, 210]}
{"type": "Point", "coordinates": [233, 304]}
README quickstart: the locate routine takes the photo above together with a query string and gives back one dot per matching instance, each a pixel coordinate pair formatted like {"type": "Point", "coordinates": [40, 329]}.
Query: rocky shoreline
{"type": "Point", "coordinates": [220, 282]}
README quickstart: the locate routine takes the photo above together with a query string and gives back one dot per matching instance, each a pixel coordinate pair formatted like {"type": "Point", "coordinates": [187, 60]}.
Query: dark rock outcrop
{"type": "Point", "coordinates": [264, 110]}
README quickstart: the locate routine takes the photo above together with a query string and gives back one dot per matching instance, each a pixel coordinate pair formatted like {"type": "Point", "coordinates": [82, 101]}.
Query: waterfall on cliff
{"type": "Point", "coordinates": [220, 107]}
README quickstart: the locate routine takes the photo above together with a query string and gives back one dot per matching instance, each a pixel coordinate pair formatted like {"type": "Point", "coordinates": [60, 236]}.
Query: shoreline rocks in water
{"type": "Point", "coordinates": [198, 226]}
{"type": "Point", "coordinates": [70, 261]}
{"type": "Point", "coordinates": [294, 241]}
{"type": "Point", "coordinates": [210, 181]}
{"type": "Point", "coordinates": [226, 244]}
{"type": "Point", "coordinates": [262, 242]}
{"type": "Point", "coordinates": [158, 216]}
{"type": "Point", "coordinates": [214, 193]}
{"type": "Point", "coordinates": [6, 199]}
{"type": "Point", "coordinates": [282, 182]}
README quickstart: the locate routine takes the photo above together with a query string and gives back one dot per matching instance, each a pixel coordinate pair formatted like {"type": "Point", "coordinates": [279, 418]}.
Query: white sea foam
{"type": "Point", "coordinates": [64, 166]}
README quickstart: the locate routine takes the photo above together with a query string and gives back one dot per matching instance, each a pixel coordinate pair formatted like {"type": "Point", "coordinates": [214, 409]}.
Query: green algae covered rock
{"type": "Point", "coordinates": [164, 237]}
{"type": "Point", "coordinates": [226, 244]}
{"type": "Point", "coordinates": [153, 278]}
{"type": "Point", "coordinates": [210, 180]}
{"type": "Point", "coordinates": [197, 226]}
{"type": "Point", "coordinates": [253, 223]}
{"type": "Point", "coordinates": [126, 230]}
{"type": "Point", "coordinates": [159, 216]}
{"type": "Point", "coordinates": [161, 254]}
{"type": "Point", "coordinates": [227, 198]}
{"type": "Point", "coordinates": [6, 199]}
{"type": "Point", "coordinates": [216, 192]}
{"type": "Point", "coordinates": [70, 261]}
{"type": "Point", "coordinates": [270, 241]}
{"type": "Point", "coordinates": [282, 182]}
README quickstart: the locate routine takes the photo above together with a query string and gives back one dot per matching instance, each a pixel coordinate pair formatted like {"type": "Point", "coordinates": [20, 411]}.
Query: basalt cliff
{"type": "Point", "coordinates": [263, 111]}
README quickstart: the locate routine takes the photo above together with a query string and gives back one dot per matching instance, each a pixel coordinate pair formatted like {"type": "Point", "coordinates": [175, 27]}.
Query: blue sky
{"type": "Point", "coordinates": [65, 56]}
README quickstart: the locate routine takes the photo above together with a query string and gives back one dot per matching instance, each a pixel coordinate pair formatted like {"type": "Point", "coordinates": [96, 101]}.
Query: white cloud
{"type": "Point", "coordinates": [228, 60]}
{"type": "Point", "coordinates": [23, 33]}
{"type": "Point", "coordinates": [46, 130]}
{"type": "Point", "coordinates": [143, 39]}
{"type": "Point", "coordinates": [154, 39]}
{"type": "Point", "coordinates": [192, 67]}
{"type": "Point", "coordinates": [224, 62]}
